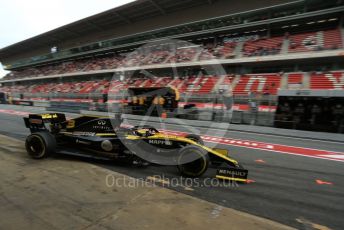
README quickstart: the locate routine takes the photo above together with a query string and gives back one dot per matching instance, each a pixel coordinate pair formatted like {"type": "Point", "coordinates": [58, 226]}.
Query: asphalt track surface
{"type": "Point", "coordinates": [302, 192]}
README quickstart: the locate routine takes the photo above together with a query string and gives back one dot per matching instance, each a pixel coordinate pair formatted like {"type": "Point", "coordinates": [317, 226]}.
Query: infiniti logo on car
{"type": "Point", "coordinates": [101, 122]}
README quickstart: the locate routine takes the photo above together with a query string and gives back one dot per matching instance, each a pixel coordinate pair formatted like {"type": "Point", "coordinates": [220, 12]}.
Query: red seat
{"type": "Point", "coordinates": [331, 80]}
{"type": "Point", "coordinates": [262, 83]}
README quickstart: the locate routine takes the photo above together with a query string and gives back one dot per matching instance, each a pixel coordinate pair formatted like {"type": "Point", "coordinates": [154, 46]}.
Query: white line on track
{"type": "Point", "coordinates": [264, 134]}
{"type": "Point", "coordinates": [288, 153]}
{"type": "Point", "coordinates": [272, 135]}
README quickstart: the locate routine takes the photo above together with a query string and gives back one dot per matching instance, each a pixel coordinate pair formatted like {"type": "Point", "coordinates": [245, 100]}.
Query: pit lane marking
{"type": "Point", "coordinates": [310, 225]}
{"type": "Point", "coordinates": [338, 157]}
{"type": "Point", "coordinates": [321, 182]}
{"type": "Point", "coordinates": [260, 161]}
{"type": "Point", "coordinates": [291, 150]}
{"type": "Point", "coordinates": [265, 134]}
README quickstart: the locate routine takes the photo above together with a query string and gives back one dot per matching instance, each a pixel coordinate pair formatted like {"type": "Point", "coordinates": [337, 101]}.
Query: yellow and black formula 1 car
{"type": "Point", "coordinates": [103, 137]}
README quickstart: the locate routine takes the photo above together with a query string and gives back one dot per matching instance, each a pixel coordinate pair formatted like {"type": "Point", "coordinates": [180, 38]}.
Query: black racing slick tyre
{"type": "Point", "coordinates": [193, 161]}
{"type": "Point", "coordinates": [40, 145]}
{"type": "Point", "coordinates": [195, 138]}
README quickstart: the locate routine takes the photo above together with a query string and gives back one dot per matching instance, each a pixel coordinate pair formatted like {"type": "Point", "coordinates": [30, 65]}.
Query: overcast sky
{"type": "Point", "coordinates": [22, 19]}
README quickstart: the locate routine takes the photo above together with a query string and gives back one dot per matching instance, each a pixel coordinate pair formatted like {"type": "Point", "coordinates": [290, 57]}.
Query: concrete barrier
{"type": "Point", "coordinates": [237, 117]}
{"type": "Point", "coordinates": [205, 116]}
{"type": "Point", "coordinates": [265, 119]}
{"type": "Point", "coordinates": [248, 118]}
{"type": "Point", "coordinates": [68, 107]}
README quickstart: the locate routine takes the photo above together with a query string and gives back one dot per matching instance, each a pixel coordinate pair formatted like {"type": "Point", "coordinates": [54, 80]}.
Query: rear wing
{"type": "Point", "coordinates": [36, 122]}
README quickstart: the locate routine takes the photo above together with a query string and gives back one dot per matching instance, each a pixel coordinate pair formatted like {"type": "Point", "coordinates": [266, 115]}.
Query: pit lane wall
{"type": "Point", "coordinates": [205, 114]}
{"type": "Point", "coordinates": [240, 113]}
{"type": "Point", "coordinates": [194, 123]}
{"type": "Point", "coordinates": [258, 113]}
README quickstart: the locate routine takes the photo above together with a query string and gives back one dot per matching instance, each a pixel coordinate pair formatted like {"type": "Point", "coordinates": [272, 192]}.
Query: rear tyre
{"type": "Point", "coordinates": [193, 161]}
{"type": "Point", "coordinates": [195, 138]}
{"type": "Point", "coordinates": [40, 145]}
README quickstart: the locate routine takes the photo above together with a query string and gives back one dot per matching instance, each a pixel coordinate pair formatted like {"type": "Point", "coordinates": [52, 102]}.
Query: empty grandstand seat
{"type": "Point", "coordinates": [263, 46]}
{"type": "Point", "coordinates": [333, 39]}
{"type": "Point", "coordinates": [228, 80]}
{"type": "Point", "coordinates": [256, 83]}
{"type": "Point", "coordinates": [207, 84]}
{"type": "Point", "coordinates": [295, 80]}
{"type": "Point", "coordinates": [176, 82]}
{"type": "Point", "coordinates": [225, 51]}
{"type": "Point", "coordinates": [184, 55]}
{"type": "Point", "coordinates": [304, 42]}
{"type": "Point", "coordinates": [195, 85]}
{"type": "Point", "coordinates": [300, 42]}
{"type": "Point", "coordinates": [114, 87]}
{"type": "Point", "coordinates": [187, 83]}
{"type": "Point", "coordinates": [262, 83]}
{"type": "Point", "coordinates": [331, 80]}
{"type": "Point", "coordinates": [206, 54]}
{"type": "Point", "coordinates": [157, 57]}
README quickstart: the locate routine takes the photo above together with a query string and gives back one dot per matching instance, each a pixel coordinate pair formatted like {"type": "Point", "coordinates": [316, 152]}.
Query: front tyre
{"type": "Point", "coordinates": [193, 161]}
{"type": "Point", "coordinates": [40, 145]}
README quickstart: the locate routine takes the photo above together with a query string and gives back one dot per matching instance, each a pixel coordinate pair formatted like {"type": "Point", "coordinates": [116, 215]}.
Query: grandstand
{"type": "Point", "coordinates": [263, 47]}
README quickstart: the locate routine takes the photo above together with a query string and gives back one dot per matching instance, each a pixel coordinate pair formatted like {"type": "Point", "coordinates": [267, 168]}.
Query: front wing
{"type": "Point", "coordinates": [232, 174]}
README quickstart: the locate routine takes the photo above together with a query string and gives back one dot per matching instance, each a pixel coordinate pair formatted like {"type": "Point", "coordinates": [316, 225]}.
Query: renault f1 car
{"type": "Point", "coordinates": [104, 137]}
